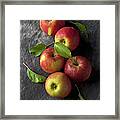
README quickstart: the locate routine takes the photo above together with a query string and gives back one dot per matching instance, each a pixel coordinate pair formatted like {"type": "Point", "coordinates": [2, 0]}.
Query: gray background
{"type": "Point", "coordinates": [30, 34]}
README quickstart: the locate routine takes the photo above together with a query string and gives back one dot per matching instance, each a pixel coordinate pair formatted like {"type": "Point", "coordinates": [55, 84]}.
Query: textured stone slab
{"type": "Point", "coordinates": [30, 34]}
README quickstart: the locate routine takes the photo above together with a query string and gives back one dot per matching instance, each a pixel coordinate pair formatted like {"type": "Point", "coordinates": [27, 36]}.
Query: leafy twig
{"type": "Point", "coordinates": [79, 95]}
{"type": "Point", "coordinates": [26, 65]}
{"type": "Point", "coordinates": [49, 44]}
{"type": "Point", "coordinates": [34, 77]}
{"type": "Point", "coordinates": [98, 97]}
{"type": "Point", "coordinates": [38, 49]}
{"type": "Point", "coordinates": [62, 50]}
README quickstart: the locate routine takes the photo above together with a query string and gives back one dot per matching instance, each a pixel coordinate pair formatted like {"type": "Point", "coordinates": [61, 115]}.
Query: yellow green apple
{"type": "Point", "coordinates": [58, 85]}
{"type": "Point", "coordinates": [50, 61]}
{"type": "Point", "coordinates": [69, 37]}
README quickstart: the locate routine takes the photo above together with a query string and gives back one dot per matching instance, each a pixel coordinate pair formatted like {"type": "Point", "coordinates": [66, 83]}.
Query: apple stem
{"type": "Point", "coordinates": [79, 95]}
{"type": "Point", "coordinates": [74, 60]}
{"type": "Point", "coordinates": [49, 44]}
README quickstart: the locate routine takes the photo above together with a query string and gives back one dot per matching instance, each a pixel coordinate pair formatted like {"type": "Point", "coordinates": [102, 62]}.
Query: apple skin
{"type": "Point", "coordinates": [50, 61]}
{"type": "Point", "coordinates": [78, 68]}
{"type": "Point", "coordinates": [58, 85]}
{"type": "Point", "coordinates": [51, 26]}
{"type": "Point", "coordinates": [69, 37]}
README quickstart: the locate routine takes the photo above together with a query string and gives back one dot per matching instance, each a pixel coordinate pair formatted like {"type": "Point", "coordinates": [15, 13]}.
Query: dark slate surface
{"type": "Point", "coordinates": [30, 34]}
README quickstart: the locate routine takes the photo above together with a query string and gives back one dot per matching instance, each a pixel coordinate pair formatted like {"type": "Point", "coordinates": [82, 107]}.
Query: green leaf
{"type": "Point", "coordinates": [62, 50]}
{"type": "Point", "coordinates": [36, 78]}
{"type": "Point", "coordinates": [37, 49]}
{"type": "Point", "coordinates": [80, 26]}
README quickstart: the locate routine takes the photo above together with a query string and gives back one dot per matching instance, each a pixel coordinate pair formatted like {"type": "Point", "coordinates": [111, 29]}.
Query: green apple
{"type": "Point", "coordinates": [58, 85]}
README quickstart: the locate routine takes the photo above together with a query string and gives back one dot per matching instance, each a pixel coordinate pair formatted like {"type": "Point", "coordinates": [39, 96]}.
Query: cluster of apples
{"type": "Point", "coordinates": [77, 68]}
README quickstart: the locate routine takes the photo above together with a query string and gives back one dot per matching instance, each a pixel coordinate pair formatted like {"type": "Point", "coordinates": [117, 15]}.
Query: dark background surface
{"type": "Point", "coordinates": [89, 47]}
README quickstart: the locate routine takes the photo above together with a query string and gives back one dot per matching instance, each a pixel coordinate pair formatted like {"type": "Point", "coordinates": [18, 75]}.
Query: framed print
{"type": "Point", "coordinates": [59, 59]}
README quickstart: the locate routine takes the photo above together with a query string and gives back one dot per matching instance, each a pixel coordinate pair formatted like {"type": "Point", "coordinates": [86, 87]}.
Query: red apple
{"type": "Point", "coordinates": [51, 26]}
{"type": "Point", "coordinates": [58, 85]}
{"type": "Point", "coordinates": [50, 61]}
{"type": "Point", "coordinates": [78, 68]}
{"type": "Point", "coordinates": [69, 37]}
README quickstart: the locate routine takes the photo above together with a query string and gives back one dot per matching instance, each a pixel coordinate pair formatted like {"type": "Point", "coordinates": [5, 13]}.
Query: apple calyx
{"type": "Point", "coordinates": [53, 86]}
{"type": "Point", "coordinates": [62, 41]}
{"type": "Point", "coordinates": [53, 55]}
